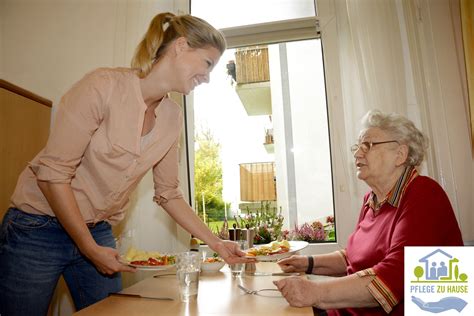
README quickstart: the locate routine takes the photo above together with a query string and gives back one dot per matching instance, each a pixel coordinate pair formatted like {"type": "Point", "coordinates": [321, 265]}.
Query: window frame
{"type": "Point", "coordinates": [293, 30]}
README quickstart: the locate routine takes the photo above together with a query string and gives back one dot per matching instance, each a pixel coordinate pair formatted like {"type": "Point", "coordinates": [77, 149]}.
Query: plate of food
{"type": "Point", "coordinates": [276, 250]}
{"type": "Point", "coordinates": [148, 260]}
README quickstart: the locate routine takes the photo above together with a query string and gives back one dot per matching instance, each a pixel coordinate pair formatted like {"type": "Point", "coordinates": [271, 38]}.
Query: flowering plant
{"type": "Point", "coordinates": [313, 232]}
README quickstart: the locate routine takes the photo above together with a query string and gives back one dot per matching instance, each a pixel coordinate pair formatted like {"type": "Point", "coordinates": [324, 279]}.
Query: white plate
{"type": "Point", "coordinates": [295, 245]}
{"type": "Point", "coordinates": [151, 268]}
{"type": "Point", "coordinates": [145, 267]}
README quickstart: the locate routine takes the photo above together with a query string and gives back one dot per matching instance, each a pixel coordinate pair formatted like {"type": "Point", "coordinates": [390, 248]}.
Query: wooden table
{"type": "Point", "coordinates": [218, 295]}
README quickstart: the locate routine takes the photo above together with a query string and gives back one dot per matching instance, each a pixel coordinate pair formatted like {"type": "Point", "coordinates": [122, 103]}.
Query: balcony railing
{"type": "Point", "coordinates": [257, 182]}
{"type": "Point", "coordinates": [252, 64]}
{"type": "Point", "coordinates": [252, 79]}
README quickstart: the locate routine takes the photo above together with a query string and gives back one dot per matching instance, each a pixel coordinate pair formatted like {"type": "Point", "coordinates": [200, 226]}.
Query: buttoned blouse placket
{"type": "Point", "coordinates": [130, 173]}
{"type": "Point", "coordinates": [134, 171]}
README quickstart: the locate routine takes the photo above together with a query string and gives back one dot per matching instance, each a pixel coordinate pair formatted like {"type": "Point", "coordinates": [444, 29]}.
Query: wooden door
{"type": "Point", "coordinates": [24, 129]}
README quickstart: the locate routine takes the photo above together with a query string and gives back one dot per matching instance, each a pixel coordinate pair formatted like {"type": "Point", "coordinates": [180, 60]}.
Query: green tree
{"type": "Point", "coordinates": [418, 272]}
{"type": "Point", "coordinates": [208, 176]}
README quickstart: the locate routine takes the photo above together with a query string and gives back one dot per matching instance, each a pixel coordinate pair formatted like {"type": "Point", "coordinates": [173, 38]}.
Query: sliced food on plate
{"type": "Point", "coordinates": [141, 258]}
{"type": "Point", "coordinates": [276, 247]}
{"type": "Point", "coordinates": [276, 250]}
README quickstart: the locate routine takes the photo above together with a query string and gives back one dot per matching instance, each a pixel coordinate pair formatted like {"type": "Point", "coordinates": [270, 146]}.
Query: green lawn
{"type": "Point", "coordinates": [218, 224]}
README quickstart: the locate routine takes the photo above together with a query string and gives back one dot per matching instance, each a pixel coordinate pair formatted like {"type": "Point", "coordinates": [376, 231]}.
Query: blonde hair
{"type": "Point", "coordinates": [403, 130]}
{"type": "Point", "coordinates": [164, 29]}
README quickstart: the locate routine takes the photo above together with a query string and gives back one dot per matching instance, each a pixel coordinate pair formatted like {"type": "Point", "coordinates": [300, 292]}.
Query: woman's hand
{"type": "Point", "coordinates": [106, 260]}
{"type": "Point", "coordinates": [231, 252]}
{"type": "Point", "coordinates": [295, 263]}
{"type": "Point", "coordinates": [299, 292]}
{"type": "Point", "coordinates": [62, 201]}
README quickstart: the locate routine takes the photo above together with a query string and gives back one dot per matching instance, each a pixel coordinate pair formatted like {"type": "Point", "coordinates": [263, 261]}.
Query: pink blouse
{"type": "Point", "coordinates": [95, 145]}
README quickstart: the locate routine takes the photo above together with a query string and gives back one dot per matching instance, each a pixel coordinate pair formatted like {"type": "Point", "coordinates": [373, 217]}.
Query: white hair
{"type": "Point", "coordinates": [402, 129]}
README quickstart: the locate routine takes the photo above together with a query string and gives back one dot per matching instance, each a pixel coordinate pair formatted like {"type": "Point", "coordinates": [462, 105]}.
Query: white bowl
{"type": "Point", "coordinates": [212, 266]}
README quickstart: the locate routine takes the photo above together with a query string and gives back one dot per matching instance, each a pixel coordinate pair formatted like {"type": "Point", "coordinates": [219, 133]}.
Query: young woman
{"type": "Point", "coordinates": [111, 127]}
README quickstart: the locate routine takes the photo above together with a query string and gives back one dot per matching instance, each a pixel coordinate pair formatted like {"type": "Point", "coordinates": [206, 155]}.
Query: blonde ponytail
{"type": "Point", "coordinates": [147, 50]}
{"type": "Point", "coordinates": [165, 28]}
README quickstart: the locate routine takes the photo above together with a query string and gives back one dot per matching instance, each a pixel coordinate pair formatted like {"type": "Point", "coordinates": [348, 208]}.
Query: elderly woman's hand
{"type": "Point", "coordinates": [299, 292]}
{"type": "Point", "coordinates": [295, 263]}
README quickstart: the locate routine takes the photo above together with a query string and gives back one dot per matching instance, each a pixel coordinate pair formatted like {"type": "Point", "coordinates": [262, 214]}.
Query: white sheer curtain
{"type": "Point", "coordinates": [371, 63]}
{"type": "Point", "coordinates": [401, 56]}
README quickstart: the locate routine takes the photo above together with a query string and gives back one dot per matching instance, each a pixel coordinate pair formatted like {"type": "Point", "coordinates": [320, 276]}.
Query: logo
{"type": "Point", "coordinates": [439, 280]}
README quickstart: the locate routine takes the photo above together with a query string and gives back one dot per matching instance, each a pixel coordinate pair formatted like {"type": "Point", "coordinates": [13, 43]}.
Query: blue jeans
{"type": "Point", "coordinates": [35, 251]}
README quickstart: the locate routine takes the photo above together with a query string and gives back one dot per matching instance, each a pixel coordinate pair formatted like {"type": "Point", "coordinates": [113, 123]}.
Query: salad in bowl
{"type": "Point", "coordinates": [212, 264]}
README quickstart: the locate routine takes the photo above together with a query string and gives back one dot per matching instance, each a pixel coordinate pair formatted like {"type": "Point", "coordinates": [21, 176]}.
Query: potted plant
{"type": "Point", "coordinates": [266, 222]}
{"type": "Point", "coordinates": [313, 232]}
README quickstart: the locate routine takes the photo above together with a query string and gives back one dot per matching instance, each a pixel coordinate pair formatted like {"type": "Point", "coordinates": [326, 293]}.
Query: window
{"type": "Point", "coordinates": [231, 13]}
{"type": "Point", "coordinates": [265, 111]}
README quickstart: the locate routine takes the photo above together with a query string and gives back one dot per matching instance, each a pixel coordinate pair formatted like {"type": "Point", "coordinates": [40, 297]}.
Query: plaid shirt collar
{"type": "Point", "coordinates": [395, 195]}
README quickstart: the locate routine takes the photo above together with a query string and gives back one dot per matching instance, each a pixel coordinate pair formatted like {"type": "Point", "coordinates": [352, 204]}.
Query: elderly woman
{"type": "Point", "coordinates": [402, 209]}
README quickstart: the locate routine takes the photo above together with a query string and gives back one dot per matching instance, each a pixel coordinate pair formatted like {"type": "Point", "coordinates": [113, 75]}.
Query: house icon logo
{"type": "Point", "coordinates": [439, 267]}
{"type": "Point", "coordinates": [438, 280]}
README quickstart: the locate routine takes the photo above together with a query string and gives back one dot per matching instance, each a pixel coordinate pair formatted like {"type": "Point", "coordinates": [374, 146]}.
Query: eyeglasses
{"type": "Point", "coordinates": [366, 146]}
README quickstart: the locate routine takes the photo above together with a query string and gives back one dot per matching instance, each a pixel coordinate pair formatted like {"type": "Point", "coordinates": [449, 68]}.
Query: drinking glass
{"type": "Point", "coordinates": [188, 265]}
{"type": "Point", "coordinates": [237, 269]}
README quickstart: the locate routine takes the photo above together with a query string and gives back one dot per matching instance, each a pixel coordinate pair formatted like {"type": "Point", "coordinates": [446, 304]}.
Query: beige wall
{"type": "Point", "coordinates": [47, 45]}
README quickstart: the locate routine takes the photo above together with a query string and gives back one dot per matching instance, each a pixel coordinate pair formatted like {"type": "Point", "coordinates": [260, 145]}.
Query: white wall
{"type": "Point", "coordinates": [310, 131]}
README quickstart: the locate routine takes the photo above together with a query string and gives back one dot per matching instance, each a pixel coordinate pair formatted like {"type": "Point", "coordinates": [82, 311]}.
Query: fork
{"type": "Point", "coordinates": [248, 291]}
